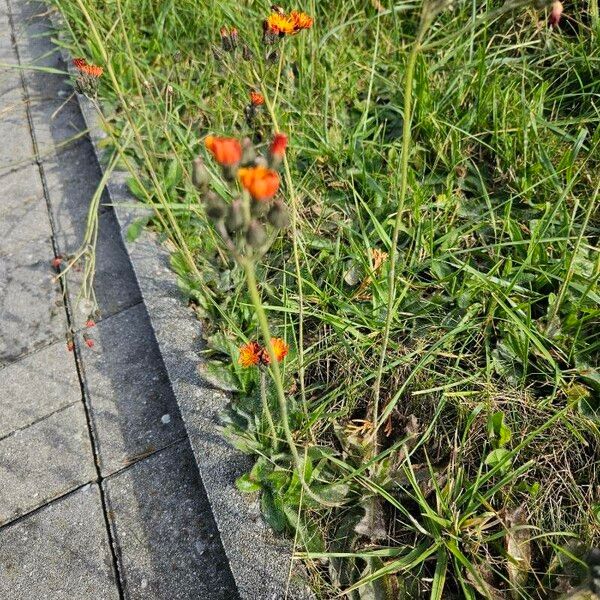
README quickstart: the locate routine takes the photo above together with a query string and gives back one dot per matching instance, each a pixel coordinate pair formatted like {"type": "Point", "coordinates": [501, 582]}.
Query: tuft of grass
{"type": "Point", "coordinates": [486, 392]}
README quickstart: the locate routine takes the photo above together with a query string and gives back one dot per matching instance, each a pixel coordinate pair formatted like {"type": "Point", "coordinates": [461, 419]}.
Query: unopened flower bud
{"type": "Point", "coordinates": [57, 262]}
{"type": "Point", "coordinates": [90, 322]}
{"type": "Point", "coordinates": [247, 54]}
{"type": "Point", "coordinates": [277, 150]}
{"type": "Point", "coordinates": [273, 56]}
{"type": "Point", "coordinates": [555, 14]}
{"type": "Point", "coordinates": [226, 43]}
{"type": "Point", "coordinates": [89, 342]}
{"type": "Point", "coordinates": [200, 174]}
{"type": "Point", "coordinates": [248, 152]}
{"type": "Point", "coordinates": [234, 37]}
{"type": "Point", "coordinates": [235, 216]}
{"type": "Point", "coordinates": [215, 207]}
{"type": "Point", "coordinates": [279, 215]}
{"type": "Point", "coordinates": [256, 235]}
{"type": "Point", "coordinates": [70, 342]}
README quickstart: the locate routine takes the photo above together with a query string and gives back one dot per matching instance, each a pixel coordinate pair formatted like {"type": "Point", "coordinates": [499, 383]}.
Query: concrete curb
{"type": "Point", "coordinates": [260, 561]}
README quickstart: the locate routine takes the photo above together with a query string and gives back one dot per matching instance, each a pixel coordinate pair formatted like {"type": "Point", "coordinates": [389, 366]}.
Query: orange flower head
{"type": "Point", "coordinates": [84, 67]}
{"type": "Point", "coordinates": [280, 349]}
{"type": "Point", "coordinates": [261, 182]}
{"type": "Point", "coordinates": [226, 151]}
{"type": "Point", "coordinates": [279, 23]}
{"type": "Point", "coordinates": [278, 145]}
{"type": "Point", "coordinates": [300, 20]}
{"type": "Point", "coordinates": [256, 98]}
{"type": "Point", "coordinates": [250, 354]}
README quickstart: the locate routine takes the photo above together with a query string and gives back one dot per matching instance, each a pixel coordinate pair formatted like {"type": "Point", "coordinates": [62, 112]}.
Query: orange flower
{"type": "Point", "coordinates": [262, 183]}
{"type": "Point", "coordinates": [300, 20]}
{"type": "Point", "coordinates": [84, 67]}
{"type": "Point", "coordinates": [250, 354]}
{"type": "Point", "coordinates": [278, 145]}
{"type": "Point", "coordinates": [256, 98]}
{"type": "Point", "coordinates": [227, 151]}
{"type": "Point", "coordinates": [278, 23]}
{"type": "Point", "coordinates": [280, 349]}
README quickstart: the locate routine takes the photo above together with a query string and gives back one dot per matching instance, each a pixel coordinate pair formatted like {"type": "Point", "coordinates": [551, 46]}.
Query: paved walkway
{"type": "Point", "coordinates": [99, 492]}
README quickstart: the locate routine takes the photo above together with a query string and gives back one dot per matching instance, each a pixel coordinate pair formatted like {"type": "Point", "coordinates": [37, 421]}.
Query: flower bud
{"type": "Point", "coordinates": [277, 150]}
{"type": "Point", "coordinates": [555, 14]}
{"type": "Point", "coordinates": [226, 42]}
{"type": "Point", "coordinates": [235, 216]}
{"type": "Point", "coordinates": [279, 215]}
{"type": "Point", "coordinates": [256, 235]}
{"type": "Point", "coordinates": [234, 37]}
{"type": "Point", "coordinates": [272, 57]}
{"type": "Point", "coordinates": [248, 152]}
{"type": "Point", "coordinates": [215, 207]}
{"type": "Point", "coordinates": [200, 174]}
{"type": "Point", "coordinates": [247, 54]}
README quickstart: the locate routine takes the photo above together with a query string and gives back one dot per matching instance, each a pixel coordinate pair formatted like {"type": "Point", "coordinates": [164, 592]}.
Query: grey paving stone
{"type": "Point", "coordinates": [23, 210]}
{"type": "Point", "coordinates": [31, 306]}
{"type": "Point", "coordinates": [36, 386]}
{"type": "Point", "coordinates": [129, 391]}
{"type": "Point", "coordinates": [70, 166]}
{"type": "Point", "coordinates": [71, 169]}
{"type": "Point", "coordinates": [59, 553]}
{"type": "Point", "coordinates": [114, 283]}
{"type": "Point", "coordinates": [163, 525]}
{"type": "Point", "coordinates": [44, 461]}
{"type": "Point", "coordinates": [16, 149]}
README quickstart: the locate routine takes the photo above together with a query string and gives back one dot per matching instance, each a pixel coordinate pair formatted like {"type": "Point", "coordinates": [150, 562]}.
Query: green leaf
{"type": "Point", "coordinates": [136, 228]}
{"type": "Point", "coordinates": [498, 430]}
{"type": "Point", "coordinates": [219, 375]}
{"type": "Point", "coordinates": [273, 511]}
{"type": "Point", "coordinates": [439, 576]}
{"type": "Point", "coordinates": [497, 456]}
{"type": "Point", "coordinates": [246, 484]}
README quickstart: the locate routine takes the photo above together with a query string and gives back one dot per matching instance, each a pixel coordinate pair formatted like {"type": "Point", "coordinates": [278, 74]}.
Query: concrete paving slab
{"type": "Point", "coordinates": [131, 401]}
{"type": "Point", "coordinates": [61, 552]}
{"type": "Point", "coordinates": [37, 386]}
{"type": "Point", "coordinates": [44, 461]}
{"type": "Point", "coordinates": [70, 166]}
{"type": "Point", "coordinates": [162, 522]}
{"type": "Point", "coordinates": [31, 303]}
{"type": "Point", "coordinates": [23, 209]}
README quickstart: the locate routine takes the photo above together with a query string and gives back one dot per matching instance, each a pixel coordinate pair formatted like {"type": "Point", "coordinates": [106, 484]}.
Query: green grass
{"type": "Point", "coordinates": [484, 478]}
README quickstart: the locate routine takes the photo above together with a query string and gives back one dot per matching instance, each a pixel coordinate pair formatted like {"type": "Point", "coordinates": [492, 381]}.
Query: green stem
{"type": "Point", "coordinates": [295, 249]}
{"type": "Point", "coordinates": [265, 405]}
{"type": "Point", "coordinates": [406, 138]}
{"type": "Point", "coordinates": [248, 267]}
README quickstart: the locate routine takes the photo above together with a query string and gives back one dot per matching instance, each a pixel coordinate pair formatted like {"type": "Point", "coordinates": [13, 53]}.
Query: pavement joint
{"type": "Point", "coordinates": [68, 310]}
{"type": "Point", "coordinates": [40, 420]}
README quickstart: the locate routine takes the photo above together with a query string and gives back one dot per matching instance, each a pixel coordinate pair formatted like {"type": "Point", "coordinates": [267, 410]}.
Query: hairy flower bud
{"type": "Point", "coordinates": [555, 14]}
{"type": "Point", "coordinates": [279, 215]}
{"type": "Point", "coordinates": [215, 207]}
{"type": "Point", "coordinates": [248, 152]}
{"type": "Point", "coordinates": [234, 37]}
{"type": "Point", "coordinates": [200, 174]}
{"type": "Point", "coordinates": [235, 216]}
{"type": "Point", "coordinates": [247, 54]}
{"type": "Point", "coordinates": [226, 42]}
{"type": "Point", "coordinates": [256, 235]}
